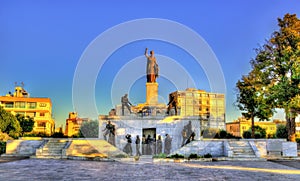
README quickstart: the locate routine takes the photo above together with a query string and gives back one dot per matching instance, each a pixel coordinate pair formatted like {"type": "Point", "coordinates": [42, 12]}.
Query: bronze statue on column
{"type": "Point", "coordinates": [152, 67]}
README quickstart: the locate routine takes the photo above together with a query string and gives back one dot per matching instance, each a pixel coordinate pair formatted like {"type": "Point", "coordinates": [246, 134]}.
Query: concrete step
{"type": "Point", "coordinates": [146, 159]}
{"type": "Point", "coordinates": [47, 156]}
{"type": "Point", "coordinates": [239, 145]}
{"type": "Point", "coordinates": [242, 150]}
{"type": "Point", "coordinates": [244, 156]}
{"type": "Point", "coordinates": [49, 153]}
{"type": "Point", "coordinates": [50, 149]}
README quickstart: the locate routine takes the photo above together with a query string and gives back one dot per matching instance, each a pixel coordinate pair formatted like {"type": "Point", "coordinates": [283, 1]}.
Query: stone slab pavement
{"type": "Point", "coordinates": [39, 169]}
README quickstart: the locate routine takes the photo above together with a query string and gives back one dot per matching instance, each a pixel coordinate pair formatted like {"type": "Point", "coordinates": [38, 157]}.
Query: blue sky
{"type": "Point", "coordinates": [42, 42]}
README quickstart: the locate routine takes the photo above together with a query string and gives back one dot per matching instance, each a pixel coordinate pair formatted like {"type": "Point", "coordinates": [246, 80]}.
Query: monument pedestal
{"type": "Point", "coordinates": [151, 107]}
{"type": "Point", "coordinates": [151, 93]}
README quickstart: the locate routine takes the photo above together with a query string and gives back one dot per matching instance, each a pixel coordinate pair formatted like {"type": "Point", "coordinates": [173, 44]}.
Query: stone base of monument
{"type": "Point", "coordinates": [150, 126]}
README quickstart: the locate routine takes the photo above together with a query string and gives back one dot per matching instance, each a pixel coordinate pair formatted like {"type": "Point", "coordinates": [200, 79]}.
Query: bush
{"type": "Point", "coordinates": [257, 135]}
{"type": "Point", "coordinates": [247, 134]}
{"type": "Point", "coordinates": [281, 131]}
{"type": "Point", "coordinates": [58, 135]}
{"type": "Point", "coordinates": [298, 140]}
{"type": "Point", "coordinates": [259, 132]}
{"type": "Point", "coordinates": [2, 147]}
{"type": "Point", "coordinates": [193, 156]}
{"type": "Point", "coordinates": [207, 155]}
{"type": "Point", "coordinates": [176, 156]}
{"type": "Point", "coordinates": [229, 135]}
{"type": "Point", "coordinates": [222, 134]}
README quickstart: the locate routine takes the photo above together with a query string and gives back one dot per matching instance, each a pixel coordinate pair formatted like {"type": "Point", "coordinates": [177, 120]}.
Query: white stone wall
{"type": "Point", "coordinates": [22, 147]}
{"type": "Point", "coordinates": [136, 126]}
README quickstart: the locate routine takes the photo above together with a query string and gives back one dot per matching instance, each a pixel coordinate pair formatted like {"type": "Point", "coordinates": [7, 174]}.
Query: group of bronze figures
{"type": "Point", "coordinates": [150, 146]}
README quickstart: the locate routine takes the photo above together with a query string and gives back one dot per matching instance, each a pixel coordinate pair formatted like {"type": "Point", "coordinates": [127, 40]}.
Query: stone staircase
{"type": "Point", "coordinates": [53, 149]}
{"type": "Point", "coordinates": [241, 149]}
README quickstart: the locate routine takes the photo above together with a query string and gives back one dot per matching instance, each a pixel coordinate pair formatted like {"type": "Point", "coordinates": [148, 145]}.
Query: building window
{"type": "Point", "coordinates": [20, 105]}
{"type": "Point", "coordinates": [42, 104]}
{"type": "Point", "coordinates": [42, 114]}
{"type": "Point", "coordinates": [31, 105]}
{"type": "Point", "coordinates": [9, 105]}
{"type": "Point", "coordinates": [41, 124]}
{"type": "Point", "coordinates": [243, 127]}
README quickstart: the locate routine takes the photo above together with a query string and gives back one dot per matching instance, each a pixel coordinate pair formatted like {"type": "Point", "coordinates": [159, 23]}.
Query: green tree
{"type": "Point", "coordinates": [25, 123]}
{"type": "Point", "coordinates": [89, 129]}
{"type": "Point", "coordinates": [251, 99]}
{"type": "Point", "coordinates": [281, 131]}
{"type": "Point", "coordinates": [9, 123]}
{"type": "Point", "coordinates": [278, 65]}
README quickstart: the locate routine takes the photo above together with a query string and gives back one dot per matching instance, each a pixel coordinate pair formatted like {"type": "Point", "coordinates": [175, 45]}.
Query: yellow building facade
{"type": "Point", "coordinates": [73, 124]}
{"type": "Point", "coordinates": [239, 126]}
{"type": "Point", "coordinates": [210, 107]}
{"type": "Point", "coordinates": [40, 109]}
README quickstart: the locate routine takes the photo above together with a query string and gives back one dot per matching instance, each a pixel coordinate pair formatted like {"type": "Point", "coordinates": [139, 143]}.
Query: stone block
{"type": "Point", "coordinates": [289, 149]}
{"type": "Point", "coordinates": [261, 147]}
{"type": "Point", "coordinates": [274, 147]}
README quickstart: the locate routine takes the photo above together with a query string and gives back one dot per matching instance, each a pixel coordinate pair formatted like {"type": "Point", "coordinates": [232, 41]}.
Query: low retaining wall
{"type": "Point", "coordinates": [22, 147]}
{"type": "Point", "coordinates": [220, 147]}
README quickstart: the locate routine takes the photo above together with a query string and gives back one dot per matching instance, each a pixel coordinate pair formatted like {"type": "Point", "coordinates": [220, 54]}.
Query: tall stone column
{"type": "Point", "coordinates": [151, 93]}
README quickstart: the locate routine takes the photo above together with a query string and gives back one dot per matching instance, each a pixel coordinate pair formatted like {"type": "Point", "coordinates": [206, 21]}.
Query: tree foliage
{"type": "Point", "coordinates": [281, 131]}
{"type": "Point", "coordinates": [9, 123]}
{"type": "Point", "coordinates": [276, 69]}
{"type": "Point", "coordinates": [25, 123]}
{"type": "Point", "coordinates": [251, 99]}
{"type": "Point", "coordinates": [89, 129]}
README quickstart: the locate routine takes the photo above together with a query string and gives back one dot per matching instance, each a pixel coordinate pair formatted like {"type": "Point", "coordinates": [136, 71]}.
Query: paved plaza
{"type": "Point", "coordinates": [38, 169]}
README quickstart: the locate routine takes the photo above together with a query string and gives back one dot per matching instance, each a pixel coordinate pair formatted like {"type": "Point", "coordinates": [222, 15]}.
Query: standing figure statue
{"type": "Point", "coordinates": [172, 104]}
{"type": "Point", "coordinates": [138, 146]}
{"type": "Point", "coordinates": [152, 68]}
{"type": "Point", "coordinates": [186, 133]}
{"type": "Point", "coordinates": [159, 145]}
{"type": "Point", "coordinates": [168, 144]}
{"type": "Point", "coordinates": [128, 149]}
{"type": "Point", "coordinates": [144, 146]}
{"type": "Point", "coordinates": [110, 131]}
{"type": "Point", "coordinates": [125, 102]}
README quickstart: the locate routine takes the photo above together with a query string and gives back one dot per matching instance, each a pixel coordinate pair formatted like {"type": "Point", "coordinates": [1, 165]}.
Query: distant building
{"type": "Point", "coordinates": [239, 126]}
{"type": "Point", "coordinates": [210, 107]}
{"type": "Point", "coordinates": [73, 124]}
{"type": "Point", "coordinates": [40, 109]}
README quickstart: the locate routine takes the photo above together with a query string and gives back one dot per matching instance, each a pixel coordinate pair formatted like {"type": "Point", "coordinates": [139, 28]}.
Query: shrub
{"type": "Point", "coordinates": [2, 147]}
{"type": "Point", "coordinates": [257, 135]}
{"type": "Point", "coordinates": [298, 140]}
{"type": "Point", "coordinates": [259, 131]}
{"type": "Point", "coordinates": [176, 156]}
{"type": "Point", "coordinates": [193, 156]}
{"type": "Point", "coordinates": [281, 131]}
{"type": "Point", "coordinates": [222, 134]}
{"type": "Point", "coordinates": [207, 155]}
{"type": "Point", "coordinates": [58, 135]}
{"type": "Point", "coordinates": [247, 134]}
